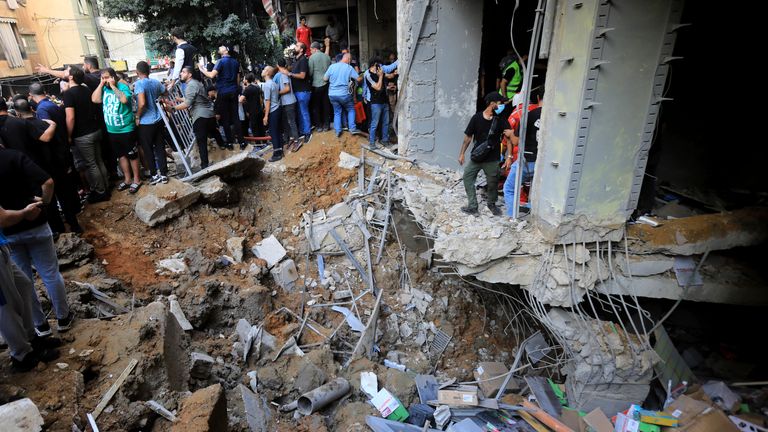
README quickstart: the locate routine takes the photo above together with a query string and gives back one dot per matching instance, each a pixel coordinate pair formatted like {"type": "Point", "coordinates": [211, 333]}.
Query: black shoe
{"type": "Point", "coordinates": [65, 324]}
{"type": "Point", "coordinates": [243, 145]}
{"type": "Point", "coordinates": [495, 210]}
{"type": "Point", "coordinates": [276, 156]}
{"type": "Point", "coordinates": [469, 210]}
{"type": "Point", "coordinates": [33, 358]}
{"type": "Point", "coordinates": [95, 197]}
{"type": "Point", "coordinates": [39, 343]}
{"type": "Point", "coordinates": [43, 329]}
{"type": "Point", "coordinates": [338, 134]}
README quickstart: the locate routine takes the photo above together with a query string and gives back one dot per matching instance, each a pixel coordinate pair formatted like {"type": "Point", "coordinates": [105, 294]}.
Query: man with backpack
{"type": "Point", "coordinates": [485, 128]}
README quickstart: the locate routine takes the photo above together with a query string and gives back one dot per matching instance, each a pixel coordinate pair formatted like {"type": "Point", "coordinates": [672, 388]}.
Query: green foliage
{"type": "Point", "coordinates": [204, 25]}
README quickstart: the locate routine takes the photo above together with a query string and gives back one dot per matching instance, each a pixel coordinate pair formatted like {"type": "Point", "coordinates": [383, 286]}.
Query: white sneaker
{"type": "Point", "coordinates": [163, 179]}
{"type": "Point", "coordinates": [155, 179]}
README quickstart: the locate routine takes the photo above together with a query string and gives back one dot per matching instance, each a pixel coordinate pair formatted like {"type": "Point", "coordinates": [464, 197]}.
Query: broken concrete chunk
{"type": "Point", "coordinates": [240, 165]}
{"type": "Point", "coordinates": [285, 274]}
{"type": "Point", "coordinates": [201, 365]}
{"type": "Point", "coordinates": [165, 201]}
{"type": "Point", "coordinates": [178, 313]}
{"type": "Point", "coordinates": [341, 210]}
{"type": "Point", "coordinates": [173, 265]}
{"type": "Point", "coordinates": [644, 265]}
{"type": "Point", "coordinates": [347, 161]}
{"type": "Point", "coordinates": [235, 248]}
{"type": "Point", "coordinates": [204, 410]}
{"type": "Point", "coordinates": [217, 193]}
{"type": "Point", "coordinates": [161, 410]}
{"type": "Point", "coordinates": [71, 249]}
{"type": "Point", "coordinates": [256, 410]}
{"type": "Point", "coordinates": [270, 250]}
{"type": "Point", "coordinates": [20, 416]}
{"type": "Point", "coordinates": [579, 254]}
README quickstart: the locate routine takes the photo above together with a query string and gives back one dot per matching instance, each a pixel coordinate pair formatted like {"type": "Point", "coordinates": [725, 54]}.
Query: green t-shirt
{"type": "Point", "coordinates": [117, 115]}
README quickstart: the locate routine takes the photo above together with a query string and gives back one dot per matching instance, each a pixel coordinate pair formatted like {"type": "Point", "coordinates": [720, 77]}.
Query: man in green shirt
{"type": "Point", "coordinates": [115, 98]}
{"type": "Point", "coordinates": [321, 105]}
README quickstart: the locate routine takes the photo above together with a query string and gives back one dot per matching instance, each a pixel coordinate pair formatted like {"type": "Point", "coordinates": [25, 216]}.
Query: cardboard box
{"type": "Point", "coordinates": [658, 418]}
{"type": "Point", "coordinates": [698, 416]}
{"type": "Point", "coordinates": [462, 396]}
{"type": "Point", "coordinates": [388, 405]}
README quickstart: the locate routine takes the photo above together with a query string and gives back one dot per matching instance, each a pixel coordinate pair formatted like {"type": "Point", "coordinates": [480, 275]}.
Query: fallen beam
{"type": "Point", "coordinates": [113, 389]}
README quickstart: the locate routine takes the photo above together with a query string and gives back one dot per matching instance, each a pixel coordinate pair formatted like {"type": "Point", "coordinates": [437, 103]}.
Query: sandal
{"type": "Point", "coordinates": [122, 186]}
{"type": "Point", "coordinates": [134, 188]}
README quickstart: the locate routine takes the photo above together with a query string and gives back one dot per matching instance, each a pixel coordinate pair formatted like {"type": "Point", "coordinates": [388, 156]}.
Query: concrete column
{"type": "Point", "coordinates": [604, 85]}
{"type": "Point", "coordinates": [441, 87]}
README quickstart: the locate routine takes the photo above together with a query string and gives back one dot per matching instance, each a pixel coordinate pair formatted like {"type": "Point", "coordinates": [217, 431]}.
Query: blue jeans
{"type": "Point", "coordinates": [379, 112]}
{"type": "Point", "coordinates": [509, 184]}
{"type": "Point", "coordinates": [305, 124]}
{"type": "Point", "coordinates": [344, 103]}
{"type": "Point", "coordinates": [35, 247]}
{"type": "Point", "coordinates": [273, 122]}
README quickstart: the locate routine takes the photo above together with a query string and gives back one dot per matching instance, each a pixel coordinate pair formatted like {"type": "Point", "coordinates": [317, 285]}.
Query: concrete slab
{"type": "Point", "coordinates": [347, 161]}
{"type": "Point", "coordinates": [20, 416]}
{"type": "Point", "coordinates": [178, 313]}
{"type": "Point", "coordinates": [285, 274]}
{"type": "Point", "coordinates": [240, 165]}
{"type": "Point", "coordinates": [644, 265]}
{"type": "Point", "coordinates": [217, 193]}
{"type": "Point", "coordinates": [165, 201]}
{"type": "Point", "coordinates": [270, 250]}
{"type": "Point", "coordinates": [256, 410]}
{"type": "Point", "coordinates": [201, 365]}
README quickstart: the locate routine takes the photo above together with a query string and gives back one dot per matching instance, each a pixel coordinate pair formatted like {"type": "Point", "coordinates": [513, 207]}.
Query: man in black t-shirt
{"type": "Point", "coordinates": [253, 100]}
{"type": "Point", "coordinates": [302, 89]}
{"type": "Point", "coordinates": [31, 240]}
{"type": "Point", "coordinates": [484, 125]}
{"type": "Point", "coordinates": [531, 150]}
{"type": "Point", "coordinates": [376, 81]}
{"type": "Point", "coordinates": [83, 132]}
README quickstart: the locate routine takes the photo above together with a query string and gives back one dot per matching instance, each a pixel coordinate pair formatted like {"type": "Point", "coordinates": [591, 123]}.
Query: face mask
{"type": "Point", "coordinates": [499, 109]}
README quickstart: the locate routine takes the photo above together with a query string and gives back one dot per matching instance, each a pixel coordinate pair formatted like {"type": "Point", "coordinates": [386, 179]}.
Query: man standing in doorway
{"type": "Point", "coordinates": [340, 76]}
{"type": "Point", "coordinates": [150, 123]}
{"type": "Point", "coordinates": [531, 150]}
{"type": "Point", "coordinates": [227, 74]}
{"type": "Point", "coordinates": [485, 126]}
{"type": "Point", "coordinates": [376, 83]}
{"type": "Point", "coordinates": [321, 105]}
{"type": "Point", "coordinates": [201, 110]}
{"type": "Point", "coordinates": [304, 33]}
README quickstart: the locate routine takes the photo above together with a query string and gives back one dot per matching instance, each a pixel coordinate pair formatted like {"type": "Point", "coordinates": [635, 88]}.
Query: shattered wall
{"type": "Point", "coordinates": [605, 81]}
{"type": "Point", "coordinates": [441, 83]}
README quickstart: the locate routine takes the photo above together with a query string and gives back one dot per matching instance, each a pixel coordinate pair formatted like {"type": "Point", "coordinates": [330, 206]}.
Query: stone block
{"type": "Point", "coordinates": [165, 201]}
{"type": "Point", "coordinates": [217, 193]}
{"type": "Point", "coordinates": [347, 161]}
{"type": "Point", "coordinates": [71, 249]}
{"type": "Point", "coordinates": [178, 313]}
{"type": "Point", "coordinates": [200, 365]}
{"type": "Point", "coordinates": [270, 250]}
{"type": "Point", "coordinates": [235, 248]}
{"type": "Point", "coordinates": [423, 126]}
{"type": "Point", "coordinates": [285, 274]}
{"type": "Point", "coordinates": [421, 110]}
{"type": "Point", "coordinates": [20, 416]}
{"type": "Point", "coordinates": [203, 410]}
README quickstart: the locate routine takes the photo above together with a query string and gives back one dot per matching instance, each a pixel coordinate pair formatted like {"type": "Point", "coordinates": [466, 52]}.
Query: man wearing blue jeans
{"type": "Point", "coordinates": [302, 89]}
{"type": "Point", "coordinates": [272, 112]}
{"type": "Point", "coordinates": [376, 84]}
{"type": "Point", "coordinates": [31, 240]}
{"type": "Point", "coordinates": [531, 150]}
{"type": "Point", "coordinates": [339, 76]}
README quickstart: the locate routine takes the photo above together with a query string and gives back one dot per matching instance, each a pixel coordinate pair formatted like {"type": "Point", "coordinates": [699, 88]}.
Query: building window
{"type": "Point", "coordinates": [11, 51]}
{"type": "Point", "coordinates": [82, 5]}
{"type": "Point", "coordinates": [30, 43]}
{"type": "Point", "coordinates": [90, 40]}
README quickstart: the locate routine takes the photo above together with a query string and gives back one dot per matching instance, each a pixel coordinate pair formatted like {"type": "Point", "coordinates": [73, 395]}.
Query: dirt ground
{"type": "Point", "coordinates": [215, 296]}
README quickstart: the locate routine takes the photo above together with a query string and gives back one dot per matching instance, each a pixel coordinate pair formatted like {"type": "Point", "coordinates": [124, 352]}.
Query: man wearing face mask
{"type": "Point", "coordinates": [485, 125]}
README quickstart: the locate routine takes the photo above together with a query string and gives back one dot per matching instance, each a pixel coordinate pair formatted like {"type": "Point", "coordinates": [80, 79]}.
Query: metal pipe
{"type": "Point", "coordinates": [322, 396]}
{"type": "Point", "coordinates": [526, 100]}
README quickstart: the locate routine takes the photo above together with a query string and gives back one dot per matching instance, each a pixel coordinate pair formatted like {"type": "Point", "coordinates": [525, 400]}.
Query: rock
{"type": "Point", "coordinates": [173, 265]}
{"type": "Point", "coordinates": [240, 165]}
{"type": "Point", "coordinates": [178, 313]}
{"type": "Point", "coordinates": [471, 250]}
{"type": "Point", "coordinates": [200, 365]}
{"type": "Point", "coordinates": [347, 161]}
{"type": "Point", "coordinates": [270, 250]}
{"type": "Point", "coordinates": [165, 201]}
{"type": "Point", "coordinates": [198, 263]}
{"type": "Point", "coordinates": [217, 193]}
{"type": "Point", "coordinates": [405, 330]}
{"type": "Point", "coordinates": [339, 209]}
{"type": "Point", "coordinates": [257, 411]}
{"type": "Point", "coordinates": [71, 249]}
{"type": "Point", "coordinates": [235, 248]}
{"type": "Point", "coordinates": [20, 416]}
{"type": "Point", "coordinates": [400, 385]}
{"type": "Point", "coordinates": [285, 274]}
{"type": "Point", "coordinates": [204, 410]}
{"type": "Point", "coordinates": [309, 378]}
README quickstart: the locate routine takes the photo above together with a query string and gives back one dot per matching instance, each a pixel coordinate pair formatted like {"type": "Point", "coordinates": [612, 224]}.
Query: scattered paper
{"type": "Point", "coordinates": [369, 383]}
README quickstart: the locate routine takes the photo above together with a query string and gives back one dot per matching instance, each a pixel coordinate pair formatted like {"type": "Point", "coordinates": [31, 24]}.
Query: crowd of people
{"type": "Point", "coordinates": [105, 133]}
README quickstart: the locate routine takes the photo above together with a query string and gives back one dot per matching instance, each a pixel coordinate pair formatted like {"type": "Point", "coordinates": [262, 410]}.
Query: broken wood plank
{"type": "Point", "coordinates": [113, 389]}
